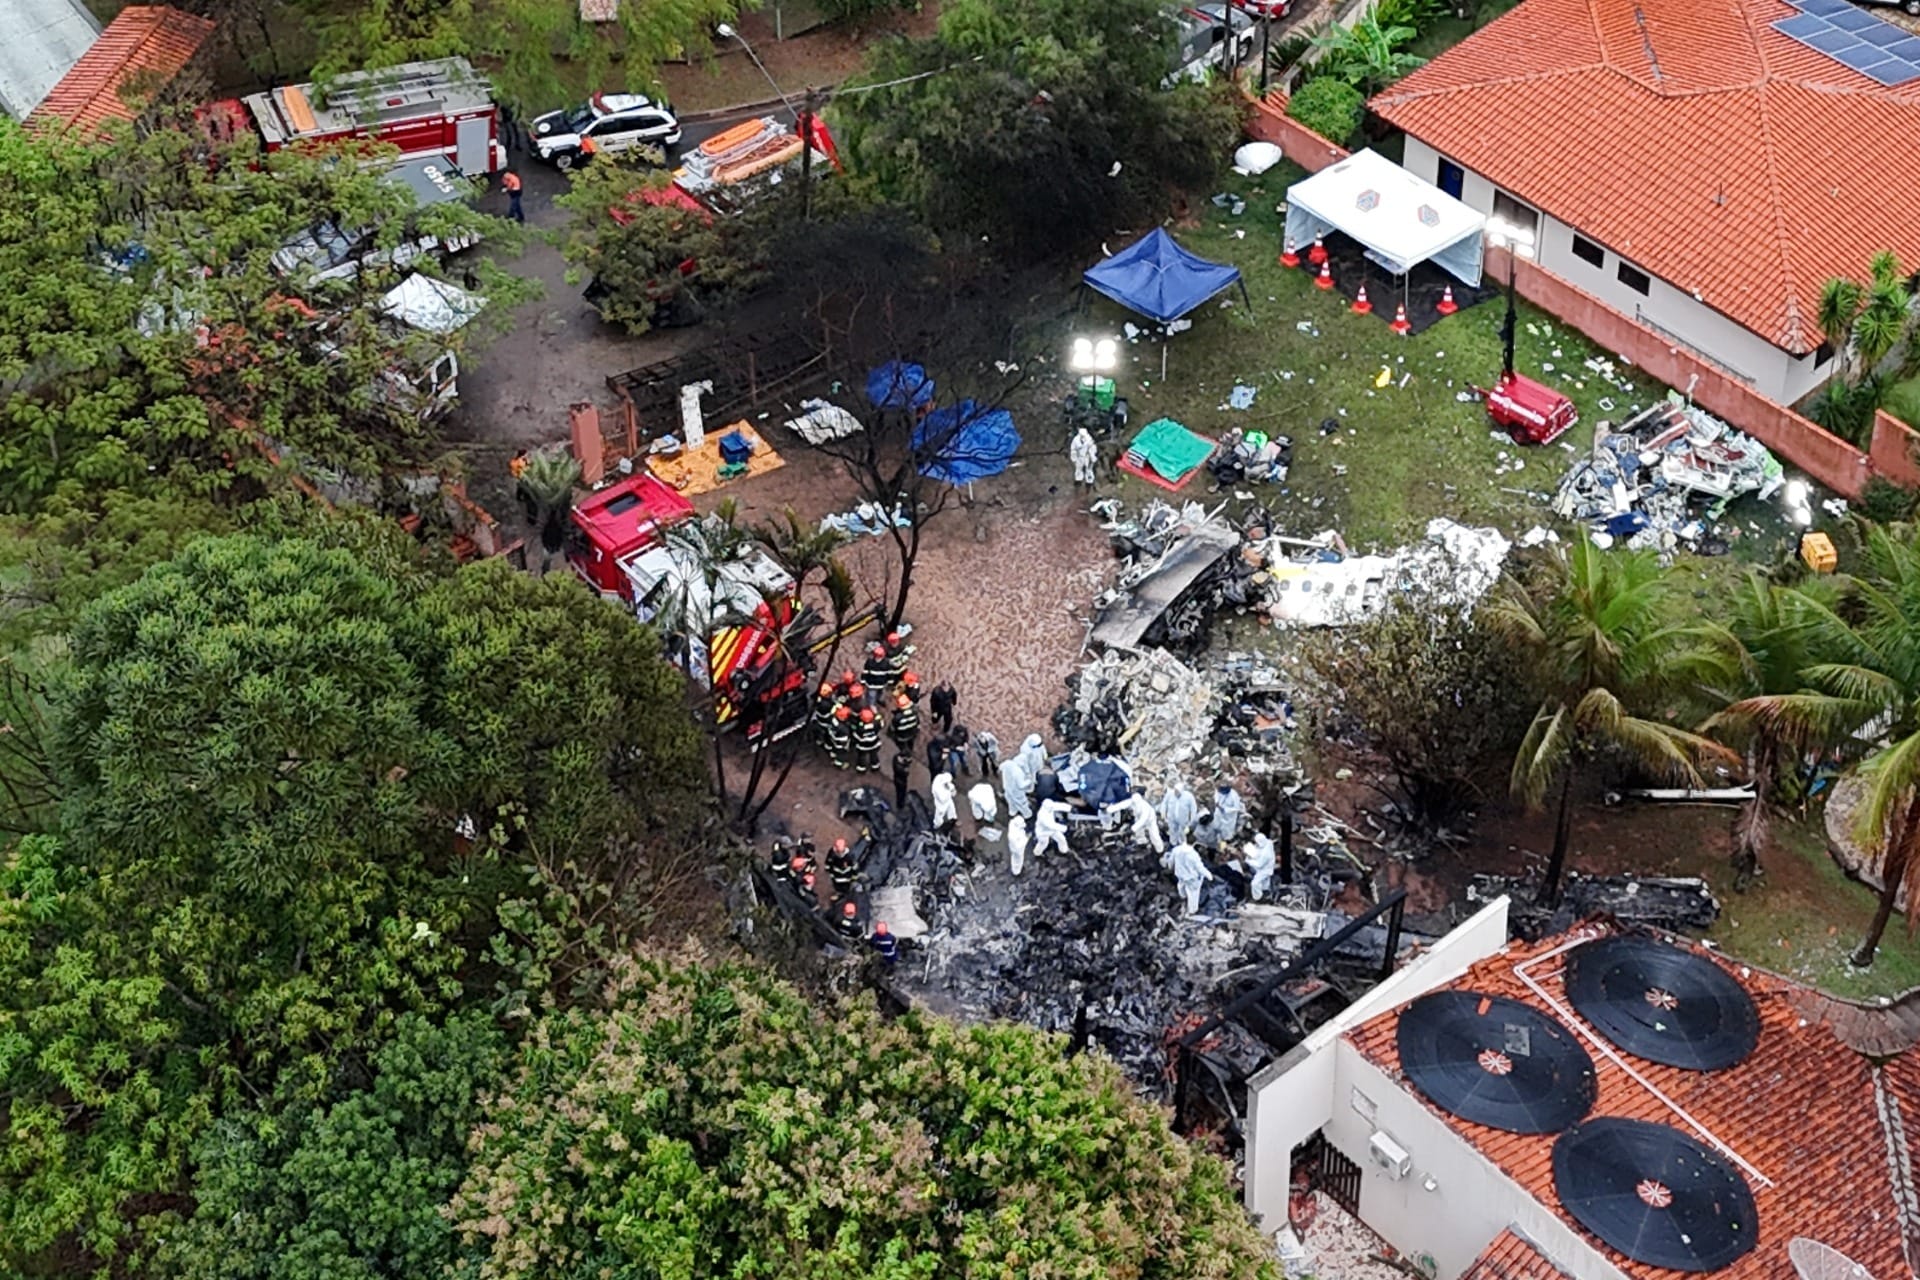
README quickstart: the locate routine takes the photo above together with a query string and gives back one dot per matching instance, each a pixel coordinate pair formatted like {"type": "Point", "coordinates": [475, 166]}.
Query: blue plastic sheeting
{"type": "Point", "coordinates": [1157, 278]}
{"type": "Point", "coordinates": [1104, 782]}
{"type": "Point", "coordinates": [963, 442]}
{"type": "Point", "coordinates": [898, 385]}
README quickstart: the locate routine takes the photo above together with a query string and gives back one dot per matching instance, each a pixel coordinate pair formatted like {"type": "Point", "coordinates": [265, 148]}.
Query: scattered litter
{"type": "Point", "coordinates": [1242, 396]}
{"type": "Point", "coordinates": [865, 520]}
{"type": "Point", "coordinates": [822, 421]}
{"type": "Point", "coordinates": [1257, 157]}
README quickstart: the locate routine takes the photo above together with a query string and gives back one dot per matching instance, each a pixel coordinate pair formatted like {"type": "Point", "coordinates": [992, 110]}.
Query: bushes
{"type": "Point", "coordinates": [1330, 107]}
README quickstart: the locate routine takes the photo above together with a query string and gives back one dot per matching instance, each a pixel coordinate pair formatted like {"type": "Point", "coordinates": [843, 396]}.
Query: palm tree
{"type": "Point", "coordinates": [1367, 55]}
{"type": "Point", "coordinates": [1596, 640]}
{"type": "Point", "coordinates": [547, 486]}
{"type": "Point", "coordinates": [1869, 692]}
{"type": "Point", "coordinates": [1769, 641]}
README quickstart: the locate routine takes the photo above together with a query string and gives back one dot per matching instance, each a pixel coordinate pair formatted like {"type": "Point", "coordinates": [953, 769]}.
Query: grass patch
{"type": "Point", "coordinates": [1444, 33]}
{"type": "Point", "coordinates": [1903, 402]}
{"type": "Point", "coordinates": [1807, 916]}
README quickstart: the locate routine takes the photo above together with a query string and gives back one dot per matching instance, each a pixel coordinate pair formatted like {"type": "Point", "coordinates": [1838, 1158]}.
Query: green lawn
{"type": "Point", "coordinates": [1403, 454]}
{"type": "Point", "coordinates": [1903, 402]}
{"type": "Point", "coordinates": [1442, 34]}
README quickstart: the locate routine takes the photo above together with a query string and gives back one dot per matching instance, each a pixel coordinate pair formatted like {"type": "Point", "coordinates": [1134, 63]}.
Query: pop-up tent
{"type": "Point", "coordinates": [1157, 278]}
{"type": "Point", "coordinates": [1400, 220]}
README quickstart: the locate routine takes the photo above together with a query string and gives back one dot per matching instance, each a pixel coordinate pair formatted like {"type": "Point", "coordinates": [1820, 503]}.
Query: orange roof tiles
{"type": "Point", "coordinates": [141, 50]}
{"type": "Point", "coordinates": [1801, 1110]}
{"type": "Point", "coordinates": [1512, 1257]}
{"type": "Point", "coordinates": [1690, 138]}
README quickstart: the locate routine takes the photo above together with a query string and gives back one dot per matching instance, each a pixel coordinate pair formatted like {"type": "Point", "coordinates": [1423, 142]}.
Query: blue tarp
{"type": "Point", "coordinates": [1104, 782]}
{"type": "Point", "coordinates": [1157, 278]}
{"type": "Point", "coordinates": [964, 442]}
{"type": "Point", "coordinates": [896, 385]}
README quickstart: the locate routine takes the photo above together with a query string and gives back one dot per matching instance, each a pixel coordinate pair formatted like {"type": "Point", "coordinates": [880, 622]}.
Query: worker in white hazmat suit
{"type": "Point", "coordinates": [1050, 828]}
{"type": "Point", "coordinates": [945, 811]}
{"type": "Point", "coordinates": [1229, 812]}
{"type": "Point", "coordinates": [1146, 823]}
{"type": "Point", "coordinates": [980, 799]}
{"type": "Point", "coordinates": [1017, 785]}
{"type": "Point", "coordinates": [1189, 871]}
{"type": "Point", "coordinates": [1178, 810]}
{"type": "Point", "coordinates": [1017, 843]}
{"type": "Point", "coordinates": [1032, 757]}
{"type": "Point", "coordinates": [1084, 453]}
{"type": "Point", "coordinates": [1259, 856]}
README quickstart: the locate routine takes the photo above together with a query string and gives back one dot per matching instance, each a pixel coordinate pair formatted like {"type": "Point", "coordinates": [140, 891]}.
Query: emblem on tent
{"type": "Point", "coordinates": [1661, 999]}
{"type": "Point", "coordinates": [1496, 1063]}
{"type": "Point", "coordinates": [1429, 216]}
{"type": "Point", "coordinates": [1654, 1194]}
{"type": "Point", "coordinates": [1367, 201]}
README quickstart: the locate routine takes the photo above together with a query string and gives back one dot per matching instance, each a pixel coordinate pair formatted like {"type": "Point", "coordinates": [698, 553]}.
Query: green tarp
{"type": "Point", "coordinates": [1170, 449]}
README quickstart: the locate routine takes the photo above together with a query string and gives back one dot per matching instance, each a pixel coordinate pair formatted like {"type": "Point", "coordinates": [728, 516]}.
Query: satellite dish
{"type": "Point", "coordinates": [1662, 1003]}
{"type": "Point", "coordinates": [1816, 1261]}
{"type": "Point", "coordinates": [1495, 1061]}
{"type": "Point", "coordinates": [1655, 1194]}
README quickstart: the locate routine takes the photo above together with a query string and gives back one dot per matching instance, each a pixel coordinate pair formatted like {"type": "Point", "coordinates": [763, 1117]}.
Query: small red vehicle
{"type": "Point", "coordinates": [1527, 411]}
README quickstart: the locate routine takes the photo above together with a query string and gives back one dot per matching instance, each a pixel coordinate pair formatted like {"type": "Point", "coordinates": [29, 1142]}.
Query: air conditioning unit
{"type": "Point", "coordinates": [1390, 1156]}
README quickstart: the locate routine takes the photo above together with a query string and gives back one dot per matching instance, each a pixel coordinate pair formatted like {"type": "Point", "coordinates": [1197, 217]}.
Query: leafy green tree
{"type": "Point", "coordinates": [710, 1122]}
{"type": "Point", "coordinates": [1367, 55]}
{"type": "Point", "coordinates": [1040, 125]}
{"type": "Point", "coordinates": [350, 1187]}
{"type": "Point", "coordinates": [147, 342]}
{"type": "Point", "coordinates": [1330, 107]}
{"type": "Point", "coordinates": [1866, 324]}
{"type": "Point", "coordinates": [1595, 637]}
{"type": "Point", "coordinates": [525, 43]}
{"type": "Point", "coordinates": [1770, 638]}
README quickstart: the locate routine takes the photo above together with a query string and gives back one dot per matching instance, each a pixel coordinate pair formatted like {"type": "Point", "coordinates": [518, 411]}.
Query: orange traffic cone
{"type": "Point", "coordinates": [1400, 324]}
{"type": "Point", "coordinates": [1360, 304]}
{"type": "Point", "coordinates": [1290, 258]}
{"type": "Point", "coordinates": [1325, 279]}
{"type": "Point", "coordinates": [1318, 254]}
{"type": "Point", "coordinates": [1447, 305]}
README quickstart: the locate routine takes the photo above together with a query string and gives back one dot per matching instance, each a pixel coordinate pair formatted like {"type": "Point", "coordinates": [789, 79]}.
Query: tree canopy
{"type": "Point", "coordinates": [1037, 125]}
{"type": "Point", "coordinates": [711, 1122]}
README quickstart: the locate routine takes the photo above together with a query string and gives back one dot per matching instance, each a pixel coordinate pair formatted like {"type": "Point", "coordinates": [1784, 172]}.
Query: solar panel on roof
{"type": "Point", "coordinates": [1800, 26]}
{"type": "Point", "coordinates": [1884, 34]}
{"type": "Point", "coordinates": [1908, 48]}
{"type": "Point", "coordinates": [1833, 40]}
{"type": "Point", "coordinates": [1854, 20]}
{"type": "Point", "coordinates": [1855, 39]}
{"type": "Point", "coordinates": [1823, 8]}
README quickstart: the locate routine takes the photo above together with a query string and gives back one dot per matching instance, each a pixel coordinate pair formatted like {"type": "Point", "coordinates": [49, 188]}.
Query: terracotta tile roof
{"type": "Point", "coordinates": [141, 50]}
{"type": "Point", "coordinates": [1801, 1110]}
{"type": "Point", "coordinates": [1512, 1257]}
{"type": "Point", "coordinates": [1733, 161]}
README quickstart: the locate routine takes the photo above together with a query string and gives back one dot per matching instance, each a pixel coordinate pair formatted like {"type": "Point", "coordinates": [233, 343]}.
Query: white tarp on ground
{"type": "Point", "coordinates": [432, 306]}
{"type": "Point", "coordinates": [1400, 219]}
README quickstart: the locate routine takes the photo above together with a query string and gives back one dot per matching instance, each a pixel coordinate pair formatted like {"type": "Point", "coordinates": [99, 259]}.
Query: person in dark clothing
{"type": "Point", "coordinates": [866, 742]}
{"type": "Point", "coordinates": [899, 653]}
{"type": "Point", "coordinates": [936, 754]}
{"type": "Point", "coordinates": [957, 739]}
{"type": "Point", "coordinates": [884, 942]}
{"type": "Point", "coordinates": [906, 723]}
{"type": "Point", "coordinates": [847, 922]}
{"type": "Point", "coordinates": [942, 700]}
{"type": "Point", "coordinates": [839, 736]}
{"type": "Point", "coordinates": [878, 673]}
{"type": "Point", "coordinates": [902, 773]}
{"type": "Point", "coordinates": [842, 867]}
{"type": "Point", "coordinates": [778, 857]}
{"type": "Point", "coordinates": [823, 705]}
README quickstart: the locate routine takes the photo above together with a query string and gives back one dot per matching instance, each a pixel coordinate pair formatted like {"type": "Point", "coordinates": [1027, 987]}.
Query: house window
{"type": "Point", "coordinates": [1589, 252]}
{"type": "Point", "coordinates": [1514, 224]}
{"type": "Point", "coordinates": [1822, 354]}
{"type": "Point", "coordinates": [1635, 279]}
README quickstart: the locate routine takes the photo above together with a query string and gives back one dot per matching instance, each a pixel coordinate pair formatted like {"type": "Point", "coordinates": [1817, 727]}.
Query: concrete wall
{"type": "Point", "coordinates": [1471, 1202]}
{"type": "Point", "coordinates": [1291, 1099]}
{"type": "Point", "coordinates": [1774, 373]}
{"type": "Point", "coordinates": [1895, 450]}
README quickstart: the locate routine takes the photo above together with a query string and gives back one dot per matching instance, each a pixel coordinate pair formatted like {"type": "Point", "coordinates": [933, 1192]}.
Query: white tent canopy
{"type": "Point", "coordinates": [1399, 219]}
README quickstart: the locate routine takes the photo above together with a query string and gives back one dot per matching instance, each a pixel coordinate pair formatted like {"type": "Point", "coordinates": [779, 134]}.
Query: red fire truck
{"type": "Point", "coordinates": [431, 110]}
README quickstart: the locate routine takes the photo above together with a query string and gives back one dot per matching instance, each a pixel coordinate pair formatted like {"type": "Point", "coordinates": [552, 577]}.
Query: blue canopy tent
{"type": "Point", "coordinates": [965, 442]}
{"type": "Point", "coordinates": [899, 385]}
{"type": "Point", "coordinates": [1158, 279]}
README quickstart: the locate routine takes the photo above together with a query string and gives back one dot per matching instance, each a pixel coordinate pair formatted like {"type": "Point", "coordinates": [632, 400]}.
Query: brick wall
{"type": "Point", "coordinates": [1894, 450]}
{"type": "Point", "coordinates": [1267, 121]}
{"type": "Point", "coordinates": [1800, 441]}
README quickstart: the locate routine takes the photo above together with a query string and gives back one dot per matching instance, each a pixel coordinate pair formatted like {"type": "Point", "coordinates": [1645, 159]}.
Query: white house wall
{"type": "Point", "coordinates": [1774, 373]}
{"type": "Point", "coordinates": [1291, 1099]}
{"type": "Point", "coordinates": [1472, 1200]}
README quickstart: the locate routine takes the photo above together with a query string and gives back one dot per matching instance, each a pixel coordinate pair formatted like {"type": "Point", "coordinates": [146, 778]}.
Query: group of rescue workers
{"type": "Point", "coordinates": [791, 862]}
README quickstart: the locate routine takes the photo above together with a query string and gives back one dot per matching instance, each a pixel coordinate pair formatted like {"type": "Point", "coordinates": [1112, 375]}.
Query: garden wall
{"type": "Point", "coordinates": [1267, 121]}
{"type": "Point", "coordinates": [1895, 450]}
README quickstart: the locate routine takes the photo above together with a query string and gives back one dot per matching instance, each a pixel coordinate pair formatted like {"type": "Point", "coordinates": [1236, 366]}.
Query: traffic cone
{"type": "Point", "coordinates": [1360, 304]}
{"type": "Point", "coordinates": [1400, 324]}
{"type": "Point", "coordinates": [1318, 254]}
{"type": "Point", "coordinates": [1290, 258]}
{"type": "Point", "coordinates": [1447, 305]}
{"type": "Point", "coordinates": [1325, 279]}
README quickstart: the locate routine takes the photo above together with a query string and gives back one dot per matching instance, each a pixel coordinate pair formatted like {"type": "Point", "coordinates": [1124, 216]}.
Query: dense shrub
{"type": "Point", "coordinates": [1330, 107]}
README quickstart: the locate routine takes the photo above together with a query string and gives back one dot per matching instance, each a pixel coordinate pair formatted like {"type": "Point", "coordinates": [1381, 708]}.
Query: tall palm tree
{"type": "Point", "coordinates": [1597, 642]}
{"type": "Point", "coordinates": [547, 486]}
{"type": "Point", "coordinates": [1869, 691]}
{"type": "Point", "coordinates": [1769, 639]}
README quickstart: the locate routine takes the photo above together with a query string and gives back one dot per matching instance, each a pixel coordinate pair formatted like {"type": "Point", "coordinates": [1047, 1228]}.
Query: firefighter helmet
{"type": "Point", "coordinates": [879, 928]}
{"type": "Point", "coordinates": [842, 712]}
{"type": "Point", "coordinates": [893, 638]}
{"type": "Point", "coordinates": [911, 679]}
{"type": "Point", "coordinates": [856, 691]}
{"type": "Point", "coordinates": [903, 702]}
{"type": "Point", "coordinates": [840, 845]}
{"type": "Point", "coordinates": [850, 910]}
{"type": "Point", "coordinates": [866, 715]}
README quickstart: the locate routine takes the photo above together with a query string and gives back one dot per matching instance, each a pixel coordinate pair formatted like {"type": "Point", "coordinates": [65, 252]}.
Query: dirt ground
{"type": "Point", "coordinates": [820, 57]}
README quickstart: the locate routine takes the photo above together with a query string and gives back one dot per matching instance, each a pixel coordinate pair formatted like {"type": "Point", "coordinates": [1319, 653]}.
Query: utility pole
{"type": "Point", "coordinates": [810, 105]}
{"type": "Point", "coordinates": [1266, 37]}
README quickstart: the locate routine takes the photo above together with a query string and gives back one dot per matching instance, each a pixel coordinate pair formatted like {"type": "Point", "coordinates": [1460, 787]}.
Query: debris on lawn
{"type": "Point", "coordinates": [1317, 582]}
{"type": "Point", "coordinates": [1643, 482]}
{"type": "Point", "coordinates": [1676, 904]}
{"type": "Point", "coordinates": [822, 421]}
{"type": "Point", "coordinates": [867, 519]}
